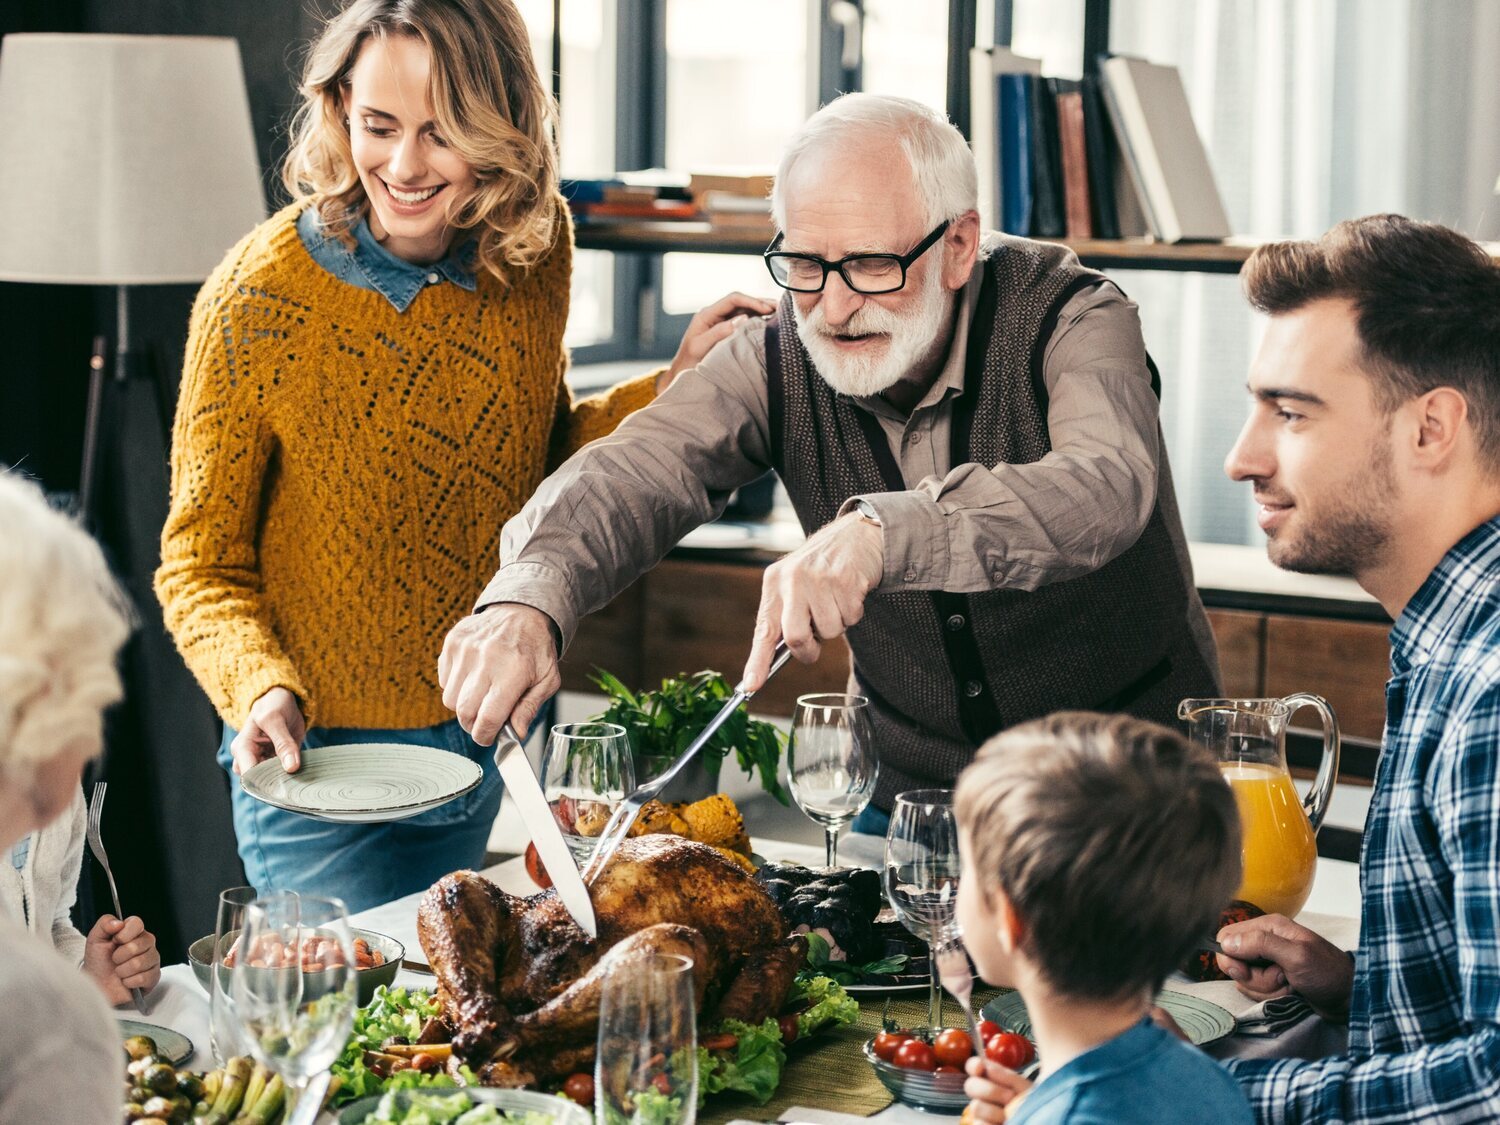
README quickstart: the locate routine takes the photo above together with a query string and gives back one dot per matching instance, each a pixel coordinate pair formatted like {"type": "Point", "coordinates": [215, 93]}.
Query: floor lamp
{"type": "Point", "coordinates": [124, 160]}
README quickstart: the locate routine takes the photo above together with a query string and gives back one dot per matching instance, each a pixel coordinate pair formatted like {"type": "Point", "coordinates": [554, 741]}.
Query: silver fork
{"type": "Point", "coordinates": [96, 845]}
{"type": "Point", "coordinates": [951, 963]}
{"type": "Point", "coordinates": [618, 826]}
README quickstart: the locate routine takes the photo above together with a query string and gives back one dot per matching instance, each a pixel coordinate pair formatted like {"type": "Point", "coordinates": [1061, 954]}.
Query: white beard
{"type": "Point", "coordinates": [909, 337]}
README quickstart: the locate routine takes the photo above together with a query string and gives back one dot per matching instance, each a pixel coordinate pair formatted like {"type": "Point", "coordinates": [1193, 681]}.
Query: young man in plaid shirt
{"type": "Point", "coordinates": [1374, 450]}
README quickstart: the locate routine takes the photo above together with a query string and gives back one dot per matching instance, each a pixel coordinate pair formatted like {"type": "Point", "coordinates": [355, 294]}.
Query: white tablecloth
{"type": "Point", "coordinates": [179, 1003]}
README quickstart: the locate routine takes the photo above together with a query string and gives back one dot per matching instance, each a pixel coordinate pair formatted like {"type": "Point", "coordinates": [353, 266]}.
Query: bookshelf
{"type": "Point", "coordinates": [1100, 253]}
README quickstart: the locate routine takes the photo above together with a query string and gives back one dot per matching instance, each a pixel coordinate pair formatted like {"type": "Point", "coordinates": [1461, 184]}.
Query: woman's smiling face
{"type": "Point", "coordinates": [411, 177]}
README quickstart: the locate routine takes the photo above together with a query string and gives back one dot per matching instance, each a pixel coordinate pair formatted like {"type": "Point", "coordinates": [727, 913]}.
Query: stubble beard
{"type": "Point", "coordinates": [1355, 530]}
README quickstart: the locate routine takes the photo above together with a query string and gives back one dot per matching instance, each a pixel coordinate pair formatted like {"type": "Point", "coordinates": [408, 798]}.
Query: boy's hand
{"type": "Point", "coordinates": [120, 956]}
{"type": "Point", "coordinates": [1299, 961]}
{"type": "Point", "coordinates": [994, 1089]}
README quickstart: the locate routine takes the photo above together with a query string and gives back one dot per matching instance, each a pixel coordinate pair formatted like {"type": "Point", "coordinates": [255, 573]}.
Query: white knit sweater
{"type": "Point", "coordinates": [40, 896]}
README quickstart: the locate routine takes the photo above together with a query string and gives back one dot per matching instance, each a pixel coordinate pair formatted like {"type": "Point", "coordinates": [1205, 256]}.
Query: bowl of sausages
{"type": "Point", "coordinates": [377, 959]}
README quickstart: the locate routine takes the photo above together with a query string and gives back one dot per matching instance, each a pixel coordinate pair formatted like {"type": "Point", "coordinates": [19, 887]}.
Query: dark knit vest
{"type": "Point", "coordinates": [945, 671]}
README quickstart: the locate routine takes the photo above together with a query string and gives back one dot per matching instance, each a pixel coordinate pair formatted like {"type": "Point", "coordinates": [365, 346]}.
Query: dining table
{"type": "Point", "coordinates": [180, 1003]}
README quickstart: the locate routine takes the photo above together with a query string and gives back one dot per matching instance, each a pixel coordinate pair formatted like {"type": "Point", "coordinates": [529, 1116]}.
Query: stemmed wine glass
{"type": "Point", "coordinates": [831, 761]}
{"type": "Point", "coordinates": [646, 1067]}
{"type": "Point", "coordinates": [586, 771]}
{"type": "Point", "coordinates": [223, 1028]}
{"type": "Point", "coordinates": [294, 988]}
{"type": "Point", "coordinates": [921, 876]}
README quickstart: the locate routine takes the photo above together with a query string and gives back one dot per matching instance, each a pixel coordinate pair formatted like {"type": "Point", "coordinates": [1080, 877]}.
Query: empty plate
{"type": "Point", "coordinates": [365, 783]}
{"type": "Point", "coordinates": [1201, 1021]}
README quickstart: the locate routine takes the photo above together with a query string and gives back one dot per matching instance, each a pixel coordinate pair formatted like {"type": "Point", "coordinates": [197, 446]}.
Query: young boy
{"type": "Point", "coordinates": [1097, 849]}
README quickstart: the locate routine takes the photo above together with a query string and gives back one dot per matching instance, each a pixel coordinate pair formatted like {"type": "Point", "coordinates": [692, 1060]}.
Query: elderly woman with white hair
{"type": "Point", "coordinates": [62, 622]}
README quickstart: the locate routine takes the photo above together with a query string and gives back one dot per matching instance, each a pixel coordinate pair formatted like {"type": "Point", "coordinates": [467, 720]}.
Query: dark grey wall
{"type": "Point", "coordinates": [167, 821]}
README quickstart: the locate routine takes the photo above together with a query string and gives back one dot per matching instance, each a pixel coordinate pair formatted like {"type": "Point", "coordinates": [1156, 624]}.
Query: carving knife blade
{"type": "Point", "coordinates": [524, 789]}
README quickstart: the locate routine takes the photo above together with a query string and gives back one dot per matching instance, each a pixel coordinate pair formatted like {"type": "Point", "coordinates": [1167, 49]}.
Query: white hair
{"type": "Point", "coordinates": [63, 619]}
{"type": "Point", "coordinates": [942, 167]}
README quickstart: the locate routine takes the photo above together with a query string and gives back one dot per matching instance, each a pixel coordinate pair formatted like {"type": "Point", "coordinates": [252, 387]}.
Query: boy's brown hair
{"type": "Point", "coordinates": [1116, 840]}
{"type": "Point", "coordinates": [1426, 301]}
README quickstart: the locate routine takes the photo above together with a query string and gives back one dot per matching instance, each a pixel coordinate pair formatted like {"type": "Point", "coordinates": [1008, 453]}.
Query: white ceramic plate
{"type": "Point", "coordinates": [1201, 1021]}
{"type": "Point", "coordinates": [171, 1046]}
{"type": "Point", "coordinates": [365, 783]}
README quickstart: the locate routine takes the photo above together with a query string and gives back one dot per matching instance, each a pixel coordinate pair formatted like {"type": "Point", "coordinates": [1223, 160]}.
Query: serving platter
{"type": "Point", "coordinates": [172, 1047]}
{"type": "Point", "coordinates": [1201, 1021]}
{"type": "Point", "coordinates": [365, 783]}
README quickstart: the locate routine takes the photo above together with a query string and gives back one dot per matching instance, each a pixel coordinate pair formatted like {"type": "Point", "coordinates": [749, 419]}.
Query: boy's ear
{"type": "Point", "coordinates": [1010, 928]}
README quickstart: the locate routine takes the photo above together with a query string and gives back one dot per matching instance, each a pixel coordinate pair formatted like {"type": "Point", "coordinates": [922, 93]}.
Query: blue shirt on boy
{"type": "Point", "coordinates": [1143, 1075]}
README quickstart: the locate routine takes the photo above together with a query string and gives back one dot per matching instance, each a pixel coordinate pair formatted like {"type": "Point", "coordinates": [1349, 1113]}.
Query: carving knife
{"type": "Point", "coordinates": [524, 789]}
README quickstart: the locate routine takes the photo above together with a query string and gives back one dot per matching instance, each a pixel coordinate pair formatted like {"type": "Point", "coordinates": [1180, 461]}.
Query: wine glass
{"type": "Point", "coordinates": [586, 772]}
{"type": "Point", "coordinates": [921, 876]}
{"type": "Point", "coordinates": [646, 1068]}
{"type": "Point", "coordinates": [831, 761]}
{"type": "Point", "coordinates": [223, 1029]}
{"type": "Point", "coordinates": [294, 986]}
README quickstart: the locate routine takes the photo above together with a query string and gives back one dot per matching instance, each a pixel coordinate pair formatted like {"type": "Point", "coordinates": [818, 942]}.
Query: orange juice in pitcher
{"type": "Point", "coordinates": [1280, 853]}
{"type": "Point", "coordinates": [1277, 829]}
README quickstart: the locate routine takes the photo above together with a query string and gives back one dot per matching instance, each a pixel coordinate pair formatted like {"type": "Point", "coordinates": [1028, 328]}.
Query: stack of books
{"type": "Point", "coordinates": [734, 200]}
{"type": "Point", "coordinates": [1116, 156]}
{"type": "Point", "coordinates": [653, 195]}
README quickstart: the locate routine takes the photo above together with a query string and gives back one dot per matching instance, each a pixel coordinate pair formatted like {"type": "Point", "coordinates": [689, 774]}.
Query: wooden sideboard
{"type": "Point", "coordinates": [697, 610]}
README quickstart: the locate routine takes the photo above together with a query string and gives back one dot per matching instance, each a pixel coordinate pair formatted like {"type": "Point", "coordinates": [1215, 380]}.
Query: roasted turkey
{"type": "Point", "coordinates": [520, 981]}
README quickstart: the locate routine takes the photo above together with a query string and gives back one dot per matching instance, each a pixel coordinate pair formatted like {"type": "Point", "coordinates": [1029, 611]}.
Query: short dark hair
{"type": "Point", "coordinates": [1427, 307]}
{"type": "Point", "coordinates": [1117, 841]}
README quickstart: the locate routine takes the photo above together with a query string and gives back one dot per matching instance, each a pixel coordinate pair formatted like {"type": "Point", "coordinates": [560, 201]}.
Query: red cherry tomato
{"type": "Point", "coordinates": [887, 1043]}
{"type": "Point", "coordinates": [988, 1029]}
{"type": "Point", "coordinates": [789, 1029]}
{"type": "Point", "coordinates": [580, 1088]}
{"type": "Point", "coordinates": [535, 869]}
{"type": "Point", "coordinates": [915, 1055]}
{"type": "Point", "coordinates": [945, 1069]}
{"type": "Point", "coordinates": [663, 1083]}
{"type": "Point", "coordinates": [952, 1047]}
{"type": "Point", "coordinates": [1010, 1050]}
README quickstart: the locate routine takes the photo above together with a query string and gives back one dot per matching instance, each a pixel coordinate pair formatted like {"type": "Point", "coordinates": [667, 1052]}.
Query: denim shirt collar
{"type": "Point", "coordinates": [370, 265]}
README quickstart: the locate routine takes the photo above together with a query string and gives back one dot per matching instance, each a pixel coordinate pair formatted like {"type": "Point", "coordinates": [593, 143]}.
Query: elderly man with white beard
{"type": "Point", "coordinates": [967, 427]}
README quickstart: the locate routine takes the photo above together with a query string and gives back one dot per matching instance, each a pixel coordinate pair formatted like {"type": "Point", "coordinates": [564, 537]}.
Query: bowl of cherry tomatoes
{"type": "Point", "coordinates": [377, 958]}
{"type": "Point", "coordinates": [925, 1069]}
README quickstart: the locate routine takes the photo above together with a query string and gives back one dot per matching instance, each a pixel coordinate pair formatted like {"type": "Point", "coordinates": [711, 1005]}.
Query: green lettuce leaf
{"type": "Point", "coordinates": [754, 1068]}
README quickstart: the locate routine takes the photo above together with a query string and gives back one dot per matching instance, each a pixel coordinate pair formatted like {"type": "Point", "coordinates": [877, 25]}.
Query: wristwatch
{"type": "Point", "coordinates": [867, 511]}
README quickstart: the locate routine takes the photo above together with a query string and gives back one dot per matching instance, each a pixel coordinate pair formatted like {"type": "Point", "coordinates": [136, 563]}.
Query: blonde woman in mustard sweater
{"type": "Point", "coordinates": [373, 386]}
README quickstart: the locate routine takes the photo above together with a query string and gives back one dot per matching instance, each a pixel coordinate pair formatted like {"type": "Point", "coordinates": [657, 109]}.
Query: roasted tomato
{"type": "Point", "coordinates": [580, 1088]}
{"type": "Point", "coordinates": [789, 1029]}
{"type": "Point", "coordinates": [535, 869]}
{"type": "Point", "coordinates": [887, 1043]}
{"type": "Point", "coordinates": [663, 1084]}
{"type": "Point", "coordinates": [952, 1047]}
{"type": "Point", "coordinates": [915, 1055]}
{"type": "Point", "coordinates": [1010, 1050]}
{"type": "Point", "coordinates": [1202, 964]}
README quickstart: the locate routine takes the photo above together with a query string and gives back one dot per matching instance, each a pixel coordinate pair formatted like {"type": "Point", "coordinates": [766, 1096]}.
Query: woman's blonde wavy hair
{"type": "Point", "coordinates": [490, 107]}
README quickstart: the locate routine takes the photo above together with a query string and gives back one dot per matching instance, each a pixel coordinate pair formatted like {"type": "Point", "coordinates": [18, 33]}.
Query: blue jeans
{"type": "Point", "coordinates": [366, 864]}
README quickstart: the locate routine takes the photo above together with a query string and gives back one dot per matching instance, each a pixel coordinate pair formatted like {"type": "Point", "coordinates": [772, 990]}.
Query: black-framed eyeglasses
{"type": "Point", "coordinates": [863, 273]}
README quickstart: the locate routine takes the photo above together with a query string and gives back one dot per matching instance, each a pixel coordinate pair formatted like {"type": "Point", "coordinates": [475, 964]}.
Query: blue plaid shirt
{"type": "Point", "coordinates": [1424, 1020]}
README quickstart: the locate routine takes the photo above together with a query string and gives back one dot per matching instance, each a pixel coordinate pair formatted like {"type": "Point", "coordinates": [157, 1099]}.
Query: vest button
{"type": "Point", "coordinates": [910, 576]}
{"type": "Point", "coordinates": [956, 622]}
{"type": "Point", "coordinates": [914, 438]}
{"type": "Point", "coordinates": [973, 689]}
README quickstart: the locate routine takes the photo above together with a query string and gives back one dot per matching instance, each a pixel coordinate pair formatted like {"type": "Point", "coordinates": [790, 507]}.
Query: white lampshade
{"type": "Point", "coordinates": [124, 159]}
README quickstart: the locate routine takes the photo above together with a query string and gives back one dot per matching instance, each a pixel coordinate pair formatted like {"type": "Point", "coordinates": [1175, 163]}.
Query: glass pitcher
{"type": "Point", "coordinates": [1248, 736]}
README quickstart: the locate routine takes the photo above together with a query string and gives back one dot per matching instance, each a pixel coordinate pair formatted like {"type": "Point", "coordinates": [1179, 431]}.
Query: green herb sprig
{"type": "Point", "coordinates": [663, 723]}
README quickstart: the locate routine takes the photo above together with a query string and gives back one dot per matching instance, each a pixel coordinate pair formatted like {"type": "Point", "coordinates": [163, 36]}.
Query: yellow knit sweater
{"type": "Point", "coordinates": [341, 472]}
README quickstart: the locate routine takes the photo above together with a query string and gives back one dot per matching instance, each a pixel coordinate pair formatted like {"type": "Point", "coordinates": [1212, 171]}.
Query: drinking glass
{"type": "Point", "coordinates": [223, 1029]}
{"type": "Point", "coordinates": [586, 772]}
{"type": "Point", "coordinates": [921, 876]}
{"type": "Point", "coordinates": [831, 761]}
{"type": "Point", "coordinates": [295, 1022]}
{"type": "Point", "coordinates": [646, 1068]}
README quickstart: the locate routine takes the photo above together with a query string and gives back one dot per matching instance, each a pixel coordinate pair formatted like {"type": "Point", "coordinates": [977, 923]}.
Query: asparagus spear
{"type": "Point", "coordinates": [231, 1092]}
{"type": "Point", "coordinates": [254, 1087]}
{"type": "Point", "coordinates": [267, 1106]}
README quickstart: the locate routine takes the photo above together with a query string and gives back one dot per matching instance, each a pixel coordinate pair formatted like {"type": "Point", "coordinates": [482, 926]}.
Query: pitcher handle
{"type": "Point", "coordinates": [1318, 797]}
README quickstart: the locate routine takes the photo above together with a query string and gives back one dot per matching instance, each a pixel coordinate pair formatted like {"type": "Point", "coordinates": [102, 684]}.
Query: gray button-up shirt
{"type": "Point", "coordinates": [620, 504]}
